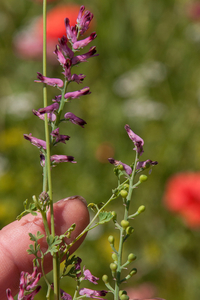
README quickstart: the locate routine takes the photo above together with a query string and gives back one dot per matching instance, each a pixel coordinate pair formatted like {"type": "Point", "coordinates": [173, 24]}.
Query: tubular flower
{"type": "Point", "coordinates": [114, 162]}
{"type": "Point", "coordinates": [60, 56]}
{"type": "Point", "coordinates": [64, 47]}
{"type": "Point", "coordinates": [71, 35]}
{"type": "Point", "coordinates": [146, 164]}
{"type": "Point", "coordinates": [74, 119]}
{"type": "Point", "coordinates": [88, 276]}
{"type": "Point", "coordinates": [26, 287]}
{"type": "Point", "coordinates": [35, 141]}
{"type": "Point", "coordinates": [77, 94]}
{"type": "Point", "coordinates": [138, 142]}
{"type": "Point", "coordinates": [49, 109]}
{"type": "Point", "coordinates": [82, 58]}
{"type": "Point", "coordinates": [62, 158]}
{"type": "Point", "coordinates": [49, 81]}
{"type": "Point", "coordinates": [82, 43]}
{"type": "Point", "coordinates": [59, 137]}
{"type": "Point", "coordinates": [50, 116]}
{"type": "Point", "coordinates": [92, 293]}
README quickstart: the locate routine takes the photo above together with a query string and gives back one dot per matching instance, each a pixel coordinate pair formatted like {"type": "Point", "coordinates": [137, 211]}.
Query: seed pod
{"type": "Point", "coordinates": [143, 178]}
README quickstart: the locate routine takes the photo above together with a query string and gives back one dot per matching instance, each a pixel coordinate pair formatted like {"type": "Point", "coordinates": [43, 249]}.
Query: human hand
{"type": "Point", "coordinates": [14, 240]}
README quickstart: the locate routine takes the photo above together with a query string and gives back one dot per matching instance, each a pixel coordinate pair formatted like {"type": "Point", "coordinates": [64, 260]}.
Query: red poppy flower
{"type": "Point", "coordinates": [28, 42]}
{"type": "Point", "coordinates": [182, 196]}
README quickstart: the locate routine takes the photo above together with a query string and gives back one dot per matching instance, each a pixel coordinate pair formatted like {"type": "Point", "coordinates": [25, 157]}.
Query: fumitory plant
{"type": "Point", "coordinates": [55, 117]}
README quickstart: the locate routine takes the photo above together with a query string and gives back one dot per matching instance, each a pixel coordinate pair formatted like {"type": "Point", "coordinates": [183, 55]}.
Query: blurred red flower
{"type": "Point", "coordinates": [193, 11]}
{"type": "Point", "coordinates": [28, 42]}
{"type": "Point", "coordinates": [182, 196]}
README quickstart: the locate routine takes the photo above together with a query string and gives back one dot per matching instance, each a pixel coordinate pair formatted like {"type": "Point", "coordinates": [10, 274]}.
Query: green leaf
{"type": "Point", "coordinates": [105, 216]}
{"type": "Point", "coordinates": [53, 243]}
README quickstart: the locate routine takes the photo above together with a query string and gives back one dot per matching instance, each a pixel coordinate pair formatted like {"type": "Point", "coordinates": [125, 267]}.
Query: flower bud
{"type": "Point", "coordinates": [114, 257]}
{"type": "Point", "coordinates": [131, 257]}
{"type": "Point", "coordinates": [141, 209]}
{"type": "Point", "coordinates": [114, 215]}
{"type": "Point", "coordinates": [111, 239]}
{"type": "Point", "coordinates": [129, 230]}
{"type": "Point", "coordinates": [122, 292]}
{"type": "Point", "coordinates": [124, 297]}
{"type": "Point", "coordinates": [126, 186]}
{"type": "Point", "coordinates": [124, 224]}
{"type": "Point", "coordinates": [143, 178]}
{"type": "Point", "coordinates": [113, 266]}
{"type": "Point", "coordinates": [124, 193]}
{"type": "Point", "coordinates": [105, 278]}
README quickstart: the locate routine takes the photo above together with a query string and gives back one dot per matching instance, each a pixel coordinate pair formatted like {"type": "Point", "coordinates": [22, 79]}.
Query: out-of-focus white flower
{"type": "Point", "coordinates": [144, 108]}
{"type": "Point", "coordinates": [145, 75]}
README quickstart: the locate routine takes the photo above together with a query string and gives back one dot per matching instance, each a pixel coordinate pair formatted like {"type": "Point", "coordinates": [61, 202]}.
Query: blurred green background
{"type": "Point", "coordinates": [147, 75]}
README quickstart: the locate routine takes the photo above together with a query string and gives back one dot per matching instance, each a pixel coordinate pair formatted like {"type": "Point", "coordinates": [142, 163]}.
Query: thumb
{"type": "Point", "coordinates": [14, 240]}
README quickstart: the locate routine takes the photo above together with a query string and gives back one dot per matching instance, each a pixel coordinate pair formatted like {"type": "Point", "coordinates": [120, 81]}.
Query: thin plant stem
{"type": "Point", "coordinates": [47, 186]}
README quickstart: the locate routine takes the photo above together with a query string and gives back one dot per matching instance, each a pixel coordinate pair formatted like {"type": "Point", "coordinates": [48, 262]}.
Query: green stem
{"type": "Point", "coordinates": [47, 170]}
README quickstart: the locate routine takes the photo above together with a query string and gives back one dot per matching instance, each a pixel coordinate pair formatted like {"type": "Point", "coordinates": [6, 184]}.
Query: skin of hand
{"type": "Point", "coordinates": [14, 240]}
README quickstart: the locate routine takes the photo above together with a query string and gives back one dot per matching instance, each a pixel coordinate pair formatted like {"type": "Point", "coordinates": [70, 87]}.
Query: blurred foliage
{"type": "Point", "coordinates": [147, 75]}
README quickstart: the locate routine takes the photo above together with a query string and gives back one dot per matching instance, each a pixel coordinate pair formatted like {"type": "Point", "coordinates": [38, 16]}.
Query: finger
{"type": "Point", "coordinates": [14, 240]}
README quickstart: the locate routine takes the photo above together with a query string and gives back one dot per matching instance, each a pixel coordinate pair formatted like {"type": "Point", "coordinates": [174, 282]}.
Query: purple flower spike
{"type": "Point", "coordinates": [71, 35]}
{"type": "Point", "coordinates": [49, 109]}
{"type": "Point", "coordinates": [50, 81]}
{"type": "Point", "coordinates": [84, 42]}
{"type": "Point", "coordinates": [34, 141]}
{"type": "Point", "coordinates": [146, 164]}
{"type": "Point", "coordinates": [77, 94]}
{"type": "Point", "coordinates": [62, 158]}
{"type": "Point", "coordinates": [88, 276]}
{"type": "Point", "coordinates": [83, 20]}
{"type": "Point", "coordinates": [50, 116]}
{"type": "Point", "coordinates": [92, 294]}
{"type": "Point", "coordinates": [60, 137]}
{"type": "Point", "coordinates": [82, 58]}
{"type": "Point", "coordinates": [74, 119]}
{"type": "Point", "coordinates": [114, 162]}
{"type": "Point", "coordinates": [27, 283]}
{"type": "Point", "coordinates": [138, 142]}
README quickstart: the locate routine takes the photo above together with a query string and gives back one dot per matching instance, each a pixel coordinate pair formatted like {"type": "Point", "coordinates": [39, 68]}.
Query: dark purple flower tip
{"type": "Point", "coordinates": [82, 43]}
{"type": "Point", "coordinates": [64, 47]}
{"type": "Point", "coordinates": [9, 294]}
{"type": "Point", "coordinates": [60, 137]}
{"type": "Point", "coordinates": [77, 94]}
{"type": "Point", "coordinates": [71, 34]}
{"type": "Point", "coordinates": [92, 293]}
{"type": "Point", "coordinates": [115, 162]}
{"type": "Point", "coordinates": [88, 276]}
{"type": "Point", "coordinates": [74, 119]}
{"type": "Point", "coordinates": [138, 141]}
{"type": "Point", "coordinates": [82, 58]}
{"type": "Point", "coordinates": [34, 141]}
{"type": "Point", "coordinates": [146, 164]}
{"type": "Point", "coordinates": [49, 109]}
{"type": "Point", "coordinates": [50, 81]}
{"type": "Point", "coordinates": [62, 158]}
